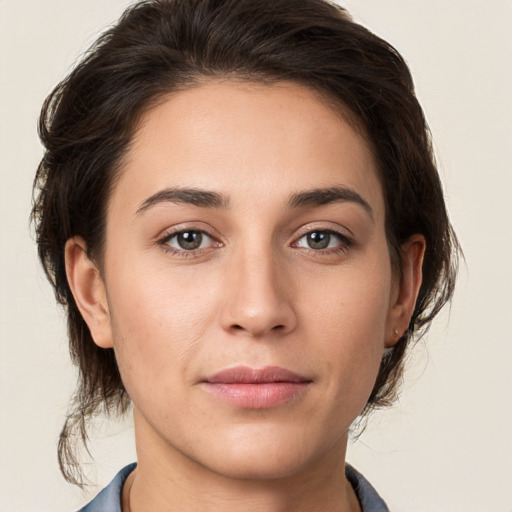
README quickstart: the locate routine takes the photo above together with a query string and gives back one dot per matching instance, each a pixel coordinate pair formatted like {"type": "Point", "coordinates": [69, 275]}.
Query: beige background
{"type": "Point", "coordinates": [446, 446]}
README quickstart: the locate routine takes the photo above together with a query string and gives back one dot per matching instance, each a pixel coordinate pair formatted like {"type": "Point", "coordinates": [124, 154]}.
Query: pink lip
{"type": "Point", "coordinates": [252, 388]}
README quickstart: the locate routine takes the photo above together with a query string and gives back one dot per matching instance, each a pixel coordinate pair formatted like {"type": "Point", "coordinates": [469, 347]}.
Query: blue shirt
{"type": "Point", "coordinates": [109, 499]}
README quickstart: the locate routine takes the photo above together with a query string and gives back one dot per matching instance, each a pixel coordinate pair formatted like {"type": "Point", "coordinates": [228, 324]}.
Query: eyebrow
{"type": "Point", "coordinates": [196, 197]}
{"type": "Point", "coordinates": [209, 199]}
{"type": "Point", "coordinates": [324, 196]}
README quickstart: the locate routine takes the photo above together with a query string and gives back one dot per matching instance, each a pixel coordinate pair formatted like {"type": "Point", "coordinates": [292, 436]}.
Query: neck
{"type": "Point", "coordinates": [167, 480]}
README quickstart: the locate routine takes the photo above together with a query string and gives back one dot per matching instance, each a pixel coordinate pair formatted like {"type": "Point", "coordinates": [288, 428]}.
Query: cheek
{"type": "Point", "coordinates": [158, 319]}
{"type": "Point", "coordinates": [354, 301]}
{"type": "Point", "coordinates": [348, 316]}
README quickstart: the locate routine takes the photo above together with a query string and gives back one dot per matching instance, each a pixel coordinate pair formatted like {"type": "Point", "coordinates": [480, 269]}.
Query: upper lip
{"type": "Point", "coordinates": [247, 375]}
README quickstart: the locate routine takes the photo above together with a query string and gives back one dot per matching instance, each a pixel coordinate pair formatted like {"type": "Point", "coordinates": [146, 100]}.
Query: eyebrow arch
{"type": "Point", "coordinates": [194, 196]}
{"type": "Point", "coordinates": [323, 196]}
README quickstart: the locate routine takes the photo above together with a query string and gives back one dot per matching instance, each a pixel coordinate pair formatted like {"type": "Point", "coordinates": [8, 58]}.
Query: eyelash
{"type": "Point", "coordinates": [345, 243]}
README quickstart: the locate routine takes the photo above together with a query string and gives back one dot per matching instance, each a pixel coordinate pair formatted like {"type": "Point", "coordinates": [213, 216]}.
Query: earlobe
{"type": "Point", "coordinates": [408, 287]}
{"type": "Point", "coordinates": [89, 291]}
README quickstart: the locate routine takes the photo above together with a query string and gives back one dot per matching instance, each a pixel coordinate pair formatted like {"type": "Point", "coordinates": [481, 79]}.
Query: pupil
{"type": "Point", "coordinates": [319, 240]}
{"type": "Point", "coordinates": [190, 240]}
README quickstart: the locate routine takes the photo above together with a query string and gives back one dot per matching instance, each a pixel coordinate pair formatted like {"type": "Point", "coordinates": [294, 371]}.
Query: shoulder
{"type": "Point", "coordinates": [368, 497]}
{"type": "Point", "coordinates": [109, 499]}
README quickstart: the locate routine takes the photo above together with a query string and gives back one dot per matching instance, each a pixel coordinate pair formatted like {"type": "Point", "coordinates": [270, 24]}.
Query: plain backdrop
{"type": "Point", "coordinates": [446, 445]}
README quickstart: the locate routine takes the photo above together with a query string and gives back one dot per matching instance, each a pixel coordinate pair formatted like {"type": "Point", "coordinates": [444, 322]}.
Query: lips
{"type": "Point", "coordinates": [252, 388]}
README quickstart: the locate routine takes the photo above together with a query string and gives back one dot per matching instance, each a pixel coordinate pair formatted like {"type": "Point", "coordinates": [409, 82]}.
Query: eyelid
{"type": "Point", "coordinates": [188, 226]}
{"type": "Point", "coordinates": [341, 231]}
{"type": "Point", "coordinates": [173, 236]}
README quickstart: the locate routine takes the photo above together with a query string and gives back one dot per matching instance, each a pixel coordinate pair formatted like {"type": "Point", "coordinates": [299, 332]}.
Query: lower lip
{"type": "Point", "coordinates": [257, 396]}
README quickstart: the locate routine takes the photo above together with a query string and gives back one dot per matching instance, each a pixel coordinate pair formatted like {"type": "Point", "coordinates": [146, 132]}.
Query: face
{"type": "Point", "coordinates": [247, 287]}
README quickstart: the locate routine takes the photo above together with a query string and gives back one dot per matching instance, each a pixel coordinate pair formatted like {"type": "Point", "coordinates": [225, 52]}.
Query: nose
{"type": "Point", "coordinates": [258, 297]}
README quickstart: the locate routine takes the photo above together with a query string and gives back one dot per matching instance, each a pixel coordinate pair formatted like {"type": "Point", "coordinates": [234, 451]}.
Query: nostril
{"type": "Point", "coordinates": [238, 327]}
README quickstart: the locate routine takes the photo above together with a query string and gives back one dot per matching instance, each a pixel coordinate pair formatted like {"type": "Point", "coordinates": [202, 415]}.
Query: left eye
{"type": "Point", "coordinates": [189, 240]}
{"type": "Point", "coordinates": [319, 240]}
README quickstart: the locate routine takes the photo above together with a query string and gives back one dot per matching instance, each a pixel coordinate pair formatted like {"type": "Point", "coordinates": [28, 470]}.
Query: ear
{"type": "Point", "coordinates": [406, 289]}
{"type": "Point", "coordinates": [89, 291]}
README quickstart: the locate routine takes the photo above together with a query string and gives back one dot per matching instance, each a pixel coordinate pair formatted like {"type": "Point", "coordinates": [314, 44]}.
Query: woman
{"type": "Point", "coordinates": [239, 208]}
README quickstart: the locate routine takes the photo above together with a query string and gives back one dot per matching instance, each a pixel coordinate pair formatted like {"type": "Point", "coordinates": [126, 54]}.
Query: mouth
{"type": "Point", "coordinates": [252, 388]}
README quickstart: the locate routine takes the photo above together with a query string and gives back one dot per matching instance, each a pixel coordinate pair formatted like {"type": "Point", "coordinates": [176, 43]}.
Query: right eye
{"type": "Point", "coordinates": [188, 240]}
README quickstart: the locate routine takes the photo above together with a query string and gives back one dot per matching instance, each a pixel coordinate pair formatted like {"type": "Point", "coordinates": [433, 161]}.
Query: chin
{"type": "Point", "coordinates": [266, 454]}
{"type": "Point", "coordinates": [258, 466]}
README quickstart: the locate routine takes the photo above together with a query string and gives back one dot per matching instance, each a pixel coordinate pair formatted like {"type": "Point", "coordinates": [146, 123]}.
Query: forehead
{"type": "Point", "coordinates": [247, 140]}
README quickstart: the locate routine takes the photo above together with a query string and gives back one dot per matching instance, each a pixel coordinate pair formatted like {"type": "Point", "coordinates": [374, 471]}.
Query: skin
{"type": "Point", "coordinates": [255, 293]}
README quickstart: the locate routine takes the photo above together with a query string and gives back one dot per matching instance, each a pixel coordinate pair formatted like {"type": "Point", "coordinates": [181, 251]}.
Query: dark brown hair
{"type": "Point", "coordinates": [161, 46]}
